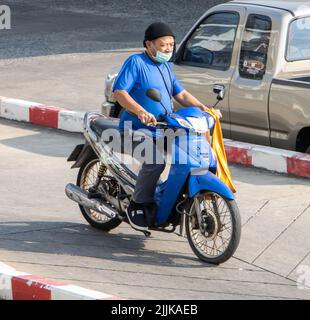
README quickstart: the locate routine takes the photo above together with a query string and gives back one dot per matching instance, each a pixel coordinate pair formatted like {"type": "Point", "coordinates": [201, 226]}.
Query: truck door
{"type": "Point", "coordinates": [205, 57]}
{"type": "Point", "coordinates": [250, 86]}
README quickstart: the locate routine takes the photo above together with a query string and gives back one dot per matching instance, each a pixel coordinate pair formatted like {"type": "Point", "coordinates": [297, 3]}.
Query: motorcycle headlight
{"type": "Point", "coordinates": [199, 124]}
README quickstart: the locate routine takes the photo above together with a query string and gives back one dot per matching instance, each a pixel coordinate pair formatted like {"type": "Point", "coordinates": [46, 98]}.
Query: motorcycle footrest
{"type": "Point", "coordinates": [163, 229]}
{"type": "Point", "coordinates": [94, 195]}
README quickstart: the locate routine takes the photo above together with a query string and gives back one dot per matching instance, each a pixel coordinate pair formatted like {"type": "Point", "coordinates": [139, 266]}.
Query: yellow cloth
{"type": "Point", "coordinates": [222, 172]}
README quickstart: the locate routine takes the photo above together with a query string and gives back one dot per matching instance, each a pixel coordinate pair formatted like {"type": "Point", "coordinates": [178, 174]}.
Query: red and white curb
{"type": "Point", "coordinates": [272, 159]}
{"type": "Point", "coordinates": [15, 285]}
{"type": "Point", "coordinates": [37, 113]}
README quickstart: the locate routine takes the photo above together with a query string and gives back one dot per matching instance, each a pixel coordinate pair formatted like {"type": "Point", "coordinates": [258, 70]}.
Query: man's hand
{"type": "Point", "coordinates": [219, 113]}
{"type": "Point", "coordinates": [146, 118]}
{"type": "Point", "coordinates": [205, 109]}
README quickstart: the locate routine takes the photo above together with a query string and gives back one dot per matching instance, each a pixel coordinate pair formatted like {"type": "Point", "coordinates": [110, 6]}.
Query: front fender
{"type": "Point", "coordinates": [204, 180]}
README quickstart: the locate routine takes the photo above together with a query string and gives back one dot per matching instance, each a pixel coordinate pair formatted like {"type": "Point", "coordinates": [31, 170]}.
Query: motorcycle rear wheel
{"type": "Point", "coordinates": [86, 178]}
{"type": "Point", "coordinates": [217, 236]}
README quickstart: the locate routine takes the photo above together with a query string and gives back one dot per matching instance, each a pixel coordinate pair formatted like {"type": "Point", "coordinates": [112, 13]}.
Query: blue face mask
{"type": "Point", "coordinates": [162, 57]}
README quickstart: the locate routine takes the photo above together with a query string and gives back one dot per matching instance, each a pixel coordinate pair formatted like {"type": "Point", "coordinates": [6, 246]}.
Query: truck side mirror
{"type": "Point", "coordinates": [219, 89]}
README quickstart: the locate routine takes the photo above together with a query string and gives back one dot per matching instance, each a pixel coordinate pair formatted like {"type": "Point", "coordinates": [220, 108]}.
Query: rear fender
{"type": "Point", "coordinates": [80, 153]}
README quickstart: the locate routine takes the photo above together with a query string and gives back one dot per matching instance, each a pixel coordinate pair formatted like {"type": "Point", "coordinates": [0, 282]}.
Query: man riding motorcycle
{"type": "Point", "coordinates": [150, 69]}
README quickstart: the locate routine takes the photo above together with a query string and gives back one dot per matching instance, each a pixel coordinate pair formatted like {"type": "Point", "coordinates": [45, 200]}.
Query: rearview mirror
{"type": "Point", "coordinates": [219, 89]}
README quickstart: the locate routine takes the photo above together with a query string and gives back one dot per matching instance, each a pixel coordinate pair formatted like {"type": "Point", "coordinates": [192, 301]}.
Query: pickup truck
{"type": "Point", "coordinates": [257, 53]}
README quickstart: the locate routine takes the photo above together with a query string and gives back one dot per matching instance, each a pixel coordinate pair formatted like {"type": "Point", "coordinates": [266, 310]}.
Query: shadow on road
{"type": "Point", "coordinates": [41, 140]}
{"type": "Point", "coordinates": [75, 239]}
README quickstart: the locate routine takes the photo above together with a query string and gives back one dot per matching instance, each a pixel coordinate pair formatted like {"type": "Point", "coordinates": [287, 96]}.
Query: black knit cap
{"type": "Point", "coordinates": [157, 30]}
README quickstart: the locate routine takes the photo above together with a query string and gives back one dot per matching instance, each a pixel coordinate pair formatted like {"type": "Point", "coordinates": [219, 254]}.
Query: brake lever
{"type": "Point", "coordinates": [161, 123]}
{"type": "Point", "coordinates": [151, 124]}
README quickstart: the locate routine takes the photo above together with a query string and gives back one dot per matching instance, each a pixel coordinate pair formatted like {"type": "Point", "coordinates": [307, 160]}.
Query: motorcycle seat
{"type": "Point", "coordinates": [102, 123]}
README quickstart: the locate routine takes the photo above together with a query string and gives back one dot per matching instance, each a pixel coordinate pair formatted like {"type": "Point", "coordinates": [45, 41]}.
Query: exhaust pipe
{"type": "Point", "coordinates": [80, 196]}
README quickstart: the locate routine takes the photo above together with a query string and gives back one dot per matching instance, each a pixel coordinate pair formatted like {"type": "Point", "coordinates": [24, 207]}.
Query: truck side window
{"type": "Point", "coordinates": [211, 44]}
{"type": "Point", "coordinates": [254, 47]}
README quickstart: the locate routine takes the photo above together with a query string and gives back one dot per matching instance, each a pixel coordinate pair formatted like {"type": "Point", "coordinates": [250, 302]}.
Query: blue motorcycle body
{"type": "Point", "coordinates": [194, 167]}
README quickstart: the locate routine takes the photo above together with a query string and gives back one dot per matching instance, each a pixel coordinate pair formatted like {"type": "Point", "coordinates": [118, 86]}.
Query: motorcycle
{"type": "Point", "coordinates": [190, 196]}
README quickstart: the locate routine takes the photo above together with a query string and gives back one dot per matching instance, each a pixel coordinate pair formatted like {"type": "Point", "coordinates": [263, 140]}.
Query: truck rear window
{"type": "Point", "coordinates": [254, 47]}
{"type": "Point", "coordinates": [298, 47]}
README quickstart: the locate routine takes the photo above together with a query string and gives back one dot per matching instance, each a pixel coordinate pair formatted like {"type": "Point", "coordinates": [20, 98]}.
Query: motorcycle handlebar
{"type": "Point", "coordinates": [158, 123]}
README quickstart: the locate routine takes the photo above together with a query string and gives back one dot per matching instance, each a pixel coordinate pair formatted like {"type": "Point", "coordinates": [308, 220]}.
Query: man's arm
{"type": "Point", "coordinates": [127, 102]}
{"type": "Point", "coordinates": [187, 100]}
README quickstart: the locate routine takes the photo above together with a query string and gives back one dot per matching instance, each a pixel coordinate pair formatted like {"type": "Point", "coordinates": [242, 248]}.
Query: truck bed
{"type": "Point", "coordinates": [289, 109]}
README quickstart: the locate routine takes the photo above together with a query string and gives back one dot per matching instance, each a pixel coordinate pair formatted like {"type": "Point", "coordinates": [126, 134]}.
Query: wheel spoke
{"type": "Point", "coordinates": [224, 241]}
{"type": "Point", "coordinates": [204, 243]}
{"type": "Point", "coordinates": [225, 228]}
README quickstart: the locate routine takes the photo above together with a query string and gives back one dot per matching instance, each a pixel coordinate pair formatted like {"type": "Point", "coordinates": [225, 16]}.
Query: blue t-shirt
{"type": "Point", "coordinates": [138, 74]}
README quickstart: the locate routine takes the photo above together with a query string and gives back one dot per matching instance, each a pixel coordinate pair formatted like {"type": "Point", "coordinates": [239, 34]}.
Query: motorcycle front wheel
{"type": "Point", "coordinates": [86, 178]}
{"type": "Point", "coordinates": [213, 227]}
